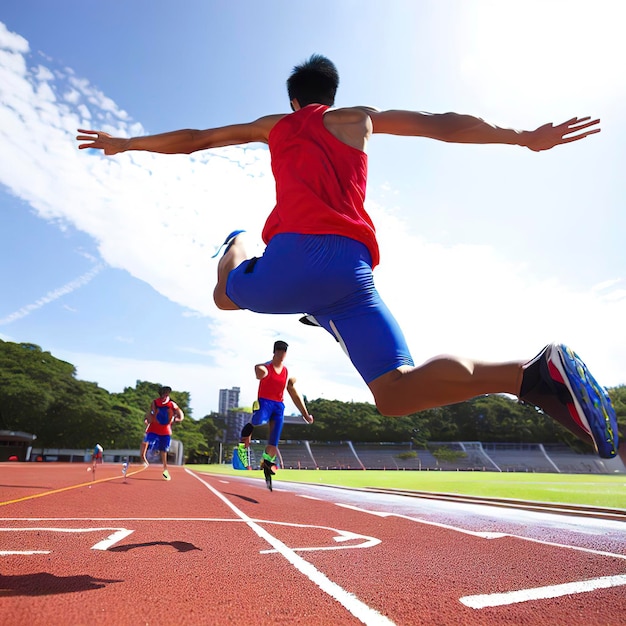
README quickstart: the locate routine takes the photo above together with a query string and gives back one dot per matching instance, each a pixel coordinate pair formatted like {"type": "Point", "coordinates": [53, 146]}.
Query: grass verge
{"type": "Point", "coordinates": [584, 489]}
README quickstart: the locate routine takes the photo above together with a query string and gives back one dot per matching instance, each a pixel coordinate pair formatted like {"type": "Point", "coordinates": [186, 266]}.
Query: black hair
{"type": "Point", "coordinates": [314, 82]}
{"type": "Point", "coordinates": [280, 345]}
{"type": "Point", "coordinates": [165, 389]}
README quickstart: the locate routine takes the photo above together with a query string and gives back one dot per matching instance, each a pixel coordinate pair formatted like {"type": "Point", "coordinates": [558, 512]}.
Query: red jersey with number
{"type": "Point", "coordinates": [272, 387]}
{"type": "Point", "coordinates": [320, 181]}
{"type": "Point", "coordinates": [162, 416]}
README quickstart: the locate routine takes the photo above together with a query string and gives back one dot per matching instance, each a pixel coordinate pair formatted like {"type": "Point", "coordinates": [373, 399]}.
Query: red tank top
{"type": "Point", "coordinates": [320, 181]}
{"type": "Point", "coordinates": [272, 387]}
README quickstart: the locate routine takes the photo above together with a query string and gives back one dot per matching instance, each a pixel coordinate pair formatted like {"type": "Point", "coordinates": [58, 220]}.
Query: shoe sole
{"type": "Point", "coordinates": [591, 406]}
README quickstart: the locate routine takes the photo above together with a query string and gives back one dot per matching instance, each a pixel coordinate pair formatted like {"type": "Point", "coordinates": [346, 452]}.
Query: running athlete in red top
{"type": "Point", "coordinates": [96, 457]}
{"type": "Point", "coordinates": [321, 249]}
{"type": "Point", "coordinates": [273, 379]}
{"type": "Point", "coordinates": [163, 412]}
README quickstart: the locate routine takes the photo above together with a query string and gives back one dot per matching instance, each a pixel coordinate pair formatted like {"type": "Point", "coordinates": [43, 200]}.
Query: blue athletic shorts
{"type": "Point", "coordinates": [328, 277]}
{"type": "Point", "coordinates": [270, 411]}
{"type": "Point", "coordinates": [158, 442]}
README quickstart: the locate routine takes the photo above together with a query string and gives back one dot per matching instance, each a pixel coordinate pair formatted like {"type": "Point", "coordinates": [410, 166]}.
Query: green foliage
{"type": "Point", "coordinates": [618, 399]}
{"type": "Point", "coordinates": [410, 454]}
{"type": "Point", "coordinates": [41, 395]}
{"type": "Point", "coordinates": [443, 453]}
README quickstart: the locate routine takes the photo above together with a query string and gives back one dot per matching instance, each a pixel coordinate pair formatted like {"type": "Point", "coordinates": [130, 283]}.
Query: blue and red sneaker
{"type": "Point", "coordinates": [560, 384]}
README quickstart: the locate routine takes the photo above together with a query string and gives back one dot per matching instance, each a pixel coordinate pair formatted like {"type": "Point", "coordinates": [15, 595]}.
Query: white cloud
{"type": "Point", "coordinates": [159, 218]}
{"type": "Point", "coordinates": [560, 49]}
{"type": "Point", "coordinates": [12, 41]}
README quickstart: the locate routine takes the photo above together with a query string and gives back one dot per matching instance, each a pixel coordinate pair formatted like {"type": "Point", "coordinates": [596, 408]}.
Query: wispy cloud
{"type": "Point", "coordinates": [51, 296]}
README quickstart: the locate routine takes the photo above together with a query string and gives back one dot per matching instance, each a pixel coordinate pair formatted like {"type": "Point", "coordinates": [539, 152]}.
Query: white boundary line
{"type": "Point", "coordinates": [356, 607]}
{"type": "Point", "coordinates": [522, 595]}
{"type": "Point", "coordinates": [485, 535]}
{"type": "Point", "coordinates": [341, 536]}
{"type": "Point", "coordinates": [105, 544]}
{"type": "Point", "coordinates": [542, 593]}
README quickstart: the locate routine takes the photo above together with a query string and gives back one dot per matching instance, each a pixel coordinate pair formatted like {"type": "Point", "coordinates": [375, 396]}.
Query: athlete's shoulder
{"type": "Point", "coordinates": [351, 114]}
{"type": "Point", "coordinates": [264, 125]}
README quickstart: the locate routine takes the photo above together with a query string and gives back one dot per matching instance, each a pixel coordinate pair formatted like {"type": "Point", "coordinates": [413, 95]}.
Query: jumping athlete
{"type": "Point", "coordinates": [163, 412]}
{"type": "Point", "coordinates": [273, 379]}
{"type": "Point", "coordinates": [322, 248]}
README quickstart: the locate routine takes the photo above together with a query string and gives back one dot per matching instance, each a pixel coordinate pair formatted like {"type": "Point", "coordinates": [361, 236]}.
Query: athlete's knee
{"type": "Point", "coordinates": [222, 301]}
{"type": "Point", "coordinates": [388, 407]}
{"type": "Point", "coordinates": [390, 395]}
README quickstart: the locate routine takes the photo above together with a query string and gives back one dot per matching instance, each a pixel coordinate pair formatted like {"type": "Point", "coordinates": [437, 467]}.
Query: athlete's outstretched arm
{"type": "Point", "coordinates": [183, 141]}
{"type": "Point", "coordinates": [457, 128]}
{"type": "Point", "coordinates": [298, 400]}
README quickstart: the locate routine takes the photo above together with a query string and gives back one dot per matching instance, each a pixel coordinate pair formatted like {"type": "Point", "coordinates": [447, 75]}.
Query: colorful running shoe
{"type": "Point", "coordinates": [559, 383]}
{"type": "Point", "coordinates": [166, 475]}
{"type": "Point", "coordinates": [241, 457]}
{"type": "Point", "coordinates": [228, 242]}
{"type": "Point", "coordinates": [269, 469]}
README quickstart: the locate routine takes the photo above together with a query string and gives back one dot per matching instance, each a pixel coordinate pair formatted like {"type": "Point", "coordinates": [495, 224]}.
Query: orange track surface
{"type": "Point", "coordinates": [227, 551]}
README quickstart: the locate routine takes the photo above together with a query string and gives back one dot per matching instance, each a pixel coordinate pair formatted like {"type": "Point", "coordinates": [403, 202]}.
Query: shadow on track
{"type": "Point", "coordinates": [181, 546]}
{"type": "Point", "coordinates": [44, 584]}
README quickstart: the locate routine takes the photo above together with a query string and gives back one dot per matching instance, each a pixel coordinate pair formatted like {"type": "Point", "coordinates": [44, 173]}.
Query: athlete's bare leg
{"type": "Point", "coordinates": [443, 380]}
{"type": "Point", "coordinates": [143, 451]}
{"type": "Point", "coordinates": [271, 450]}
{"type": "Point", "coordinates": [233, 256]}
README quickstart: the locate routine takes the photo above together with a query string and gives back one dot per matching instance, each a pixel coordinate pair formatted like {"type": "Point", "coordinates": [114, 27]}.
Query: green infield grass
{"type": "Point", "coordinates": [585, 489]}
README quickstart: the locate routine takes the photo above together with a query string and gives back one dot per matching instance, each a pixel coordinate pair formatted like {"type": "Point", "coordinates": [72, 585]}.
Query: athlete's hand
{"type": "Point", "coordinates": [101, 141]}
{"type": "Point", "coordinates": [308, 418]}
{"type": "Point", "coordinates": [549, 135]}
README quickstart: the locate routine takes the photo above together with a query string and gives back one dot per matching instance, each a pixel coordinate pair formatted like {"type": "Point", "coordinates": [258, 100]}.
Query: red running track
{"type": "Point", "coordinates": [212, 550]}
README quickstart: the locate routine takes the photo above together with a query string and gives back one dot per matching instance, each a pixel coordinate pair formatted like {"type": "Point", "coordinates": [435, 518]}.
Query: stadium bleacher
{"type": "Point", "coordinates": [458, 456]}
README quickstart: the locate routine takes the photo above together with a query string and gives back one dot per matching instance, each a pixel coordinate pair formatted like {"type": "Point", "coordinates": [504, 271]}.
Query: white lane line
{"type": "Point", "coordinates": [482, 535]}
{"type": "Point", "coordinates": [356, 607]}
{"type": "Point", "coordinates": [541, 593]}
{"type": "Point", "coordinates": [23, 552]}
{"type": "Point", "coordinates": [487, 535]}
{"type": "Point", "coordinates": [118, 535]}
{"type": "Point", "coordinates": [341, 536]}
{"type": "Point", "coordinates": [112, 539]}
{"type": "Point", "coordinates": [524, 595]}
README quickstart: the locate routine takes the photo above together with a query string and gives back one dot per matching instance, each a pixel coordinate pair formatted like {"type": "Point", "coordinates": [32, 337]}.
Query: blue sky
{"type": "Point", "coordinates": [487, 251]}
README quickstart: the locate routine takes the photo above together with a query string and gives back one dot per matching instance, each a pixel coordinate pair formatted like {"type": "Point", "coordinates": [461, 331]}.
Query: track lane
{"type": "Point", "coordinates": [193, 558]}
